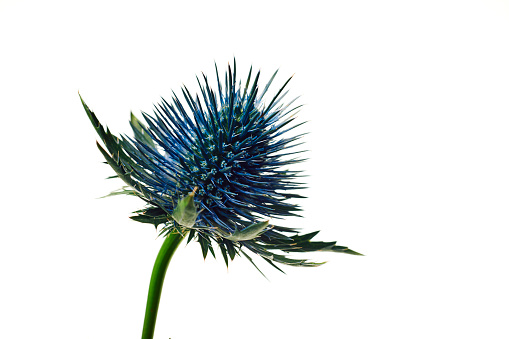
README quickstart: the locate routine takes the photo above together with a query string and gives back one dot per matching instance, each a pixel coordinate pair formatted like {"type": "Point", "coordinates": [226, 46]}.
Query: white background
{"type": "Point", "coordinates": [407, 103]}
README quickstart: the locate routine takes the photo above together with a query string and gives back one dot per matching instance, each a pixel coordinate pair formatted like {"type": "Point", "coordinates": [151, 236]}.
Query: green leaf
{"type": "Point", "coordinates": [151, 215]}
{"type": "Point", "coordinates": [252, 262]}
{"type": "Point", "coordinates": [122, 191]}
{"type": "Point", "coordinates": [121, 163]}
{"type": "Point", "coordinates": [343, 249]}
{"type": "Point", "coordinates": [223, 252]}
{"type": "Point", "coordinates": [230, 248]}
{"type": "Point", "coordinates": [273, 265]}
{"type": "Point", "coordinates": [250, 232]}
{"type": "Point", "coordinates": [191, 235]}
{"type": "Point", "coordinates": [112, 142]}
{"type": "Point", "coordinates": [140, 132]}
{"type": "Point", "coordinates": [126, 177]}
{"type": "Point", "coordinates": [185, 213]}
{"type": "Point", "coordinates": [211, 249]}
{"type": "Point", "coordinates": [205, 245]}
{"type": "Point", "coordinates": [150, 220]}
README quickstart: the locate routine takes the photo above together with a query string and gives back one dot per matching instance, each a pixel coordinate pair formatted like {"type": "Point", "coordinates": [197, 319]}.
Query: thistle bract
{"type": "Point", "coordinates": [232, 150]}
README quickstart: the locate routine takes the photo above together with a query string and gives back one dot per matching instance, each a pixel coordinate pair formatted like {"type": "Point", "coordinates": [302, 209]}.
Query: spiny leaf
{"type": "Point", "coordinates": [343, 249]}
{"type": "Point", "coordinates": [122, 174]}
{"type": "Point", "coordinates": [222, 247]}
{"type": "Point", "coordinates": [140, 131]}
{"type": "Point", "coordinates": [191, 235]}
{"type": "Point", "coordinates": [252, 262]}
{"type": "Point", "coordinates": [112, 142]}
{"type": "Point", "coordinates": [230, 248]}
{"type": "Point", "coordinates": [122, 191]}
{"type": "Point", "coordinates": [205, 244]}
{"type": "Point", "coordinates": [151, 215]}
{"type": "Point", "coordinates": [150, 220]}
{"type": "Point", "coordinates": [274, 265]}
{"type": "Point", "coordinates": [250, 232]}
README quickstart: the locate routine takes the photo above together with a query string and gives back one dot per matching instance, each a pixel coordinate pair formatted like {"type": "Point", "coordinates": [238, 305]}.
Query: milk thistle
{"type": "Point", "coordinates": [215, 171]}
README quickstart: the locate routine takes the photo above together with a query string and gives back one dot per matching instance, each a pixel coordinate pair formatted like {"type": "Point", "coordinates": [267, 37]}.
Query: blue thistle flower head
{"type": "Point", "coordinates": [216, 165]}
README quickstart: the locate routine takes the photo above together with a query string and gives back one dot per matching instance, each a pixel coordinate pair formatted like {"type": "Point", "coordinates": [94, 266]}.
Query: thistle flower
{"type": "Point", "coordinates": [218, 169]}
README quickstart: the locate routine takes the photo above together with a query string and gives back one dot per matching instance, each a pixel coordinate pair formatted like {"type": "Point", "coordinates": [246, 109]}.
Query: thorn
{"type": "Point", "coordinates": [195, 189]}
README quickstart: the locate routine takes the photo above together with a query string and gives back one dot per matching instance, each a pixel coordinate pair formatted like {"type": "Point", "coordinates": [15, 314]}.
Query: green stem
{"type": "Point", "coordinates": [169, 246]}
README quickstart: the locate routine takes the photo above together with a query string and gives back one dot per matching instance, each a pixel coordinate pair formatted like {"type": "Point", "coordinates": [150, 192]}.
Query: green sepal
{"type": "Point", "coordinates": [185, 213]}
{"type": "Point", "coordinates": [249, 233]}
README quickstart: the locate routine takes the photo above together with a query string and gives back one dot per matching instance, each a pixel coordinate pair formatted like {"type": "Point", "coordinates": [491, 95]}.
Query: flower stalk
{"type": "Point", "coordinates": [166, 252]}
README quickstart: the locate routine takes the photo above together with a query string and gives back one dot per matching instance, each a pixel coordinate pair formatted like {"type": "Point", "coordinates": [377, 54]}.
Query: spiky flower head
{"type": "Point", "coordinates": [216, 165]}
